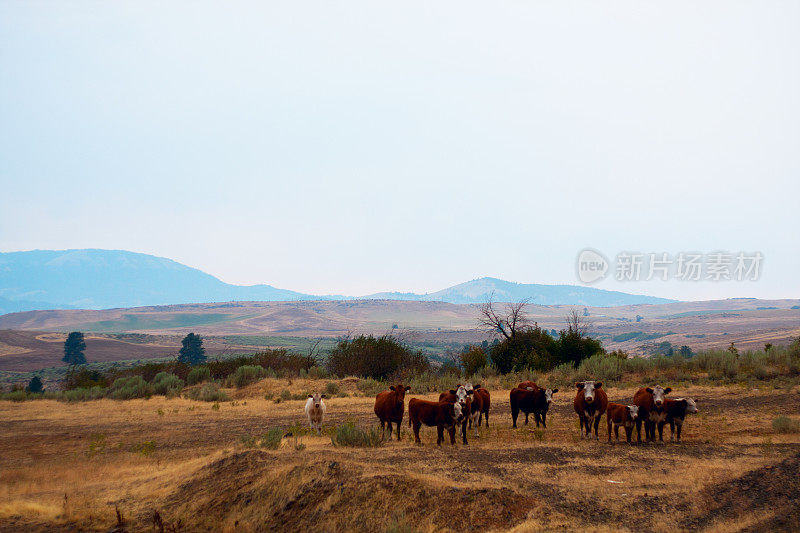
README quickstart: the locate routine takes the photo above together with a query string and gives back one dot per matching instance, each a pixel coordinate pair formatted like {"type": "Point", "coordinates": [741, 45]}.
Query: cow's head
{"type": "Point", "coordinates": [691, 405]}
{"type": "Point", "coordinates": [400, 392]}
{"type": "Point", "coordinates": [633, 410]}
{"type": "Point", "coordinates": [461, 395]}
{"type": "Point", "coordinates": [317, 399]}
{"type": "Point", "coordinates": [659, 393]}
{"type": "Point", "coordinates": [588, 388]}
{"type": "Point", "coordinates": [468, 387]}
{"type": "Point", "coordinates": [548, 395]}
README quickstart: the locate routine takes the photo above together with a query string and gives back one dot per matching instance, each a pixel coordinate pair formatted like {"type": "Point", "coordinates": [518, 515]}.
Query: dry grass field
{"type": "Point", "coordinates": [68, 466]}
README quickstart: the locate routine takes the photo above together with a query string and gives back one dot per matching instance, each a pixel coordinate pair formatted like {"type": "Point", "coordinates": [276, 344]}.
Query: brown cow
{"type": "Point", "coordinates": [531, 400]}
{"type": "Point", "coordinates": [621, 415]}
{"type": "Point", "coordinates": [526, 384]}
{"type": "Point", "coordinates": [443, 415]}
{"type": "Point", "coordinates": [486, 403]}
{"type": "Point", "coordinates": [652, 411]}
{"type": "Point", "coordinates": [461, 396]}
{"type": "Point", "coordinates": [677, 410]}
{"type": "Point", "coordinates": [389, 407]}
{"type": "Point", "coordinates": [590, 403]}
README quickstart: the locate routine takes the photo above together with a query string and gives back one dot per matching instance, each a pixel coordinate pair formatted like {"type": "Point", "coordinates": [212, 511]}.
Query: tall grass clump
{"type": "Point", "coordinates": [348, 434]}
{"type": "Point", "coordinates": [208, 392]}
{"type": "Point", "coordinates": [83, 394]}
{"type": "Point", "coordinates": [197, 375]}
{"type": "Point", "coordinates": [129, 388]}
{"type": "Point", "coordinates": [246, 374]}
{"type": "Point", "coordinates": [784, 424]}
{"type": "Point", "coordinates": [167, 384]}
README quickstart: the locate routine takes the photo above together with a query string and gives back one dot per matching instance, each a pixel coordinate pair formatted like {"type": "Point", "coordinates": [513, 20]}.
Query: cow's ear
{"type": "Point", "coordinates": [648, 389]}
{"type": "Point", "coordinates": [324, 396]}
{"type": "Point", "coordinates": [598, 384]}
{"type": "Point", "coordinates": [555, 391]}
{"type": "Point", "coordinates": [476, 386]}
{"type": "Point", "coordinates": [470, 392]}
{"type": "Point", "coordinates": [392, 387]}
{"type": "Point", "coordinates": [579, 385]}
{"type": "Point", "coordinates": [310, 395]}
{"type": "Point", "coordinates": [667, 390]}
{"type": "Point", "coordinates": [408, 387]}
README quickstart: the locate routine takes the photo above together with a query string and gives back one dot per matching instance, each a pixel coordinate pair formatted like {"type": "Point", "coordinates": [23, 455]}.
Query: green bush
{"type": "Point", "coordinates": [198, 374]}
{"type": "Point", "coordinates": [208, 392]}
{"type": "Point", "coordinates": [167, 384]}
{"type": "Point", "coordinates": [129, 388]}
{"type": "Point", "coordinates": [348, 434]}
{"type": "Point", "coordinates": [473, 359]}
{"type": "Point", "coordinates": [285, 395]}
{"type": "Point", "coordinates": [370, 387]}
{"type": "Point", "coordinates": [331, 388]}
{"type": "Point", "coordinates": [272, 438]}
{"type": "Point", "coordinates": [83, 394]}
{"type": "Point", "coordinates": [35, 385]}
{"type": "Point", "coordinates": [377, 357]}
{"type": "Point", "coordinates": [784, 424]}
{"type": "Point", "coordinates": [245, 375]}
{"type": "Point", "coordinates": [601, 367]}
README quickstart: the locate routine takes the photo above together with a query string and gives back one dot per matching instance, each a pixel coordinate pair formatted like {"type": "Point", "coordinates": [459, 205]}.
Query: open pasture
{"type": "Point", "coordinates": [68, 466]}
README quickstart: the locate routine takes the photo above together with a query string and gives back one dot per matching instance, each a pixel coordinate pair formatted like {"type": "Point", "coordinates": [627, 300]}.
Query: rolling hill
{"type": "Point", "coordinates": [104, 279]}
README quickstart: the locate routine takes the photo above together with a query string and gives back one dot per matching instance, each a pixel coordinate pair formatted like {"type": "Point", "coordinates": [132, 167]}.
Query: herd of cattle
{"type": "Point", "coordinates": [468, 406]}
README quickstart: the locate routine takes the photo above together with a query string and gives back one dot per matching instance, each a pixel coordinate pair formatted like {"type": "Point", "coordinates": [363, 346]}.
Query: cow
{"type": "Point", "coordinates": [486, 403]}
{"type": "Point", "coordinates": [621, 415]}
{"type": "Point", "coordinates": [315, 411]}
{"type": "Point", "coordinates": [677, 410]}
{"type": "Point", "coordinates": [652, 411]}
{"type": "Point", "coordinates": [590, 403]}
{"type": "Point", "coordinates": [526, 384]}
{"type": "Point", "coordinates": [476, 406]}
{"type": "Point", "coordinates": [531, 400]}
{"type": "Point", "coordinates": [462, 397]}
{"type": "Point", "coordinates": [443, 415]}
{"type": "Point", "coordinates": [389, 407]}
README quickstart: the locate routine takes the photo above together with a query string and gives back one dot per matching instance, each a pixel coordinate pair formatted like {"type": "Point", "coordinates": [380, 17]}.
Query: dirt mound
{"type": "Point", "coordinates": [774, 488]}
{"type": "Point", "coordinates": [257, 491]}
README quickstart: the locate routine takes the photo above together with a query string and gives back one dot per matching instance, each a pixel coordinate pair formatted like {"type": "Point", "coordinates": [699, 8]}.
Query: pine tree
{"type": "Point", "coordinates": [35, 385]}
{"type": "Point", "coordinates": [73, 349]}
{"type": "Point", "coordinates": [192, 351]}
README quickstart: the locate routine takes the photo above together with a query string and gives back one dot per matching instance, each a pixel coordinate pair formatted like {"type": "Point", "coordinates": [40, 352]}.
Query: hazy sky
{"type": "Point", "coordinates": [352, 147]}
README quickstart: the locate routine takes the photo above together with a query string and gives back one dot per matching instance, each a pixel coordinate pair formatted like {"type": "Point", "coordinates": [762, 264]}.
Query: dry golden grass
{"type": "Point", "coordinates": [67, 466]}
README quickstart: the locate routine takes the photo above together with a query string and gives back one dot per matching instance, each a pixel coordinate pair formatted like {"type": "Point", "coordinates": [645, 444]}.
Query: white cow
{"type": "Point", "coordinates": [315, 411]}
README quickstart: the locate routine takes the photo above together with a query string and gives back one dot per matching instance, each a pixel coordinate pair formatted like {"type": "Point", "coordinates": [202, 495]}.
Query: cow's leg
{"type": "Point", "coordinates": [639, 430]}
{"type": "Point", "coordinates": [596, 425]}
{"type": "Point", "coordinates": [486, 414]}
{"type": "Point", "coordinates": [628, 433]}
{"type": "Point", "coordinates": [544, 420]}
{"type": "Point", "coordinates": [671, 430]}
{"type": "Point", "coordinates": [580, 422]}
{"type": "Point", "coordinates": [680, 425]}
{"type": "Point", "coordinates": [609, 431]}
{"type": "Point", "coordinates": [463, 432]}
{"type": "Point", "coordinates": [416, 433]}
{"type": "Point", "coordinates": [389, 424]}
{"type": "Point", "coordinates": [440, 435]}
{"type": "Point", "coordinates": [536, 418]}
{"type": "Point", "coordinates": [661, 431]}
{"type": "Point", "coordinates": [514, 415]}
{"type": "Point", "coordinates": [477, 418]}
{"type": "Point", "coordinates": [398, 424]}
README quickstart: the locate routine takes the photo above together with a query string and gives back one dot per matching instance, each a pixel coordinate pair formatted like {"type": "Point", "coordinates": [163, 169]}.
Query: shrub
{"type": "Point", "coordinates": [272, 438]}
{"type": "Point", "coordinates": [784, 424]}
{"type": "Point", "coordinates": [84, 379]}
{"type": "Point", "coordinates": [285, 395]}
{"type": "Point", "coordinates": [129, 388]}
{"type": "Point", "coordinates": [348, 434]}
{"type": "Point", "coordinates": [246, 374]}
{"type": "Point", "coordinates": [331, 388]}
{"type": "Point", "coordinates": [370, 387]}
{"type": "Point", "coordinates": [601, 367]}
{"type": "Point", "coordinates": [83, 394]}
{"type": "Point", "coordinates": [376, 357]}
{"type": "Point", "coordinates": [198, 374]}
{"type": "Point", "coordinates": [167, 384]}
{"type": "Point", "coordinates": [318, 372]}
{"type": "Point", "coordinates": [208, 392]}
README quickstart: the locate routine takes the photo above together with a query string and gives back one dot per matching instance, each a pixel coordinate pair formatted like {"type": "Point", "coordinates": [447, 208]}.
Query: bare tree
{"type": "Point", "coordinates": [506, 319]}
{"type": "Point", "coordinates": [576, 324]}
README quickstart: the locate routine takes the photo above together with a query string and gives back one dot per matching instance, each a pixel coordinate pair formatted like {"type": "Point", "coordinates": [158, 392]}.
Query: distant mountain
{"type": "Point", "coordinates": [102, 279]}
